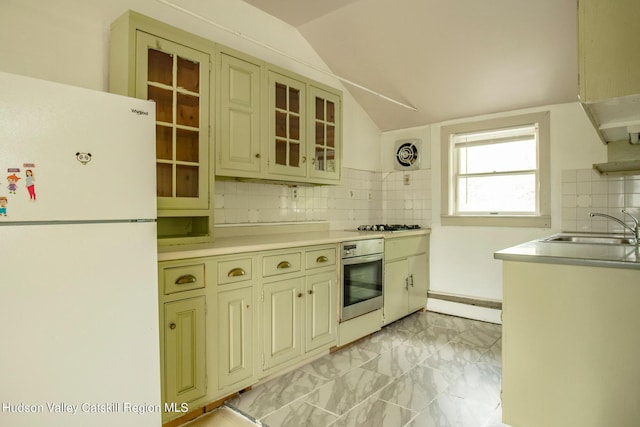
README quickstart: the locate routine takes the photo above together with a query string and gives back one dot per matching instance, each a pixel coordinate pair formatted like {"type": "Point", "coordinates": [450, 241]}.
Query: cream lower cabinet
{"type": "Point", "coordinates": [568, 357]}
{"type": "Point", "coordinates": [298, 318]}
{"type": "Point", "coordinates": [184, 342]}
{"type": "Point", "coordinates": [321, 310]}
{"type": "Point", "coordinates": [406, 276]}
{"type": "Point", "coordinates": [234, 345]}
{"type": "Point", "coordinates": [183, 336]}
{"type": "Point", "coordinates": [299, 310]}
{"type": "Point", "coordinates": [235, 336]}
{"type": "Point", "coordinates": [282, 322]}
{"type": "Point", "coordinates": [259, 313]}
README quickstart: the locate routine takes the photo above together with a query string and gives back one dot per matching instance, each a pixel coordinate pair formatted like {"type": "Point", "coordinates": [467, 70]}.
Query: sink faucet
{"type": "Point", "coordinates": [635, 229]}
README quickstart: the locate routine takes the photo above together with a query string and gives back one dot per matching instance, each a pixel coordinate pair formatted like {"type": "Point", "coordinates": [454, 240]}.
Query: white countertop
{"type": "Point", "coordinates": [595, 255]}
{"type": "Point", "coordinates": [254, 243]}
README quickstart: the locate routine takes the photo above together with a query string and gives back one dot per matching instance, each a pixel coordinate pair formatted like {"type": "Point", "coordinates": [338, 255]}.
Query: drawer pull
{"type": "Point", "coordinates": [236, 272]}
{"type": "Point", "coordinates": [322, 259]}
{"type": "Point", "coordinates": [186, 279]}
{"type": "Point", "coordinates": [284, 264]}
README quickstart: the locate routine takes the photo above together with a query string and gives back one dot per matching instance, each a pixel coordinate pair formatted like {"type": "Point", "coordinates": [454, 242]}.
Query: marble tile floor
{"type": "Point", "coordinates": [426, 370]}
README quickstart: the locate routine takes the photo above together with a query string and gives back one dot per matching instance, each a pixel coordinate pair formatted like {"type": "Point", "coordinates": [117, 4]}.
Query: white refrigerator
{"type": "Point", "coordinates": [79, 342]}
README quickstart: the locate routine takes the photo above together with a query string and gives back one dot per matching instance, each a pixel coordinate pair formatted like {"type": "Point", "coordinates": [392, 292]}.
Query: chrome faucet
{"type": "Point", "coordinates": [635, 229]}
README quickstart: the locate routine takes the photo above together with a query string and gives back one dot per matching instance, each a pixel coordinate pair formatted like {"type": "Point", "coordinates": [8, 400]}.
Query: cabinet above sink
{"type": "Point", "coordinates": [609, 66]}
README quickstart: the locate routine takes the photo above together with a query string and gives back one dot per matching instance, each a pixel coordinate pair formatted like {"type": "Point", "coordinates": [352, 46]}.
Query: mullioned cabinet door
{"type": "Point", "coordinates": [176, 78]}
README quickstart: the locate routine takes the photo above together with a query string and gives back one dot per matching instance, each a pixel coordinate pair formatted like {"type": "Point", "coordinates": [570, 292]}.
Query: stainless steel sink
{"type": "Point", "coordinates": [592, 239]}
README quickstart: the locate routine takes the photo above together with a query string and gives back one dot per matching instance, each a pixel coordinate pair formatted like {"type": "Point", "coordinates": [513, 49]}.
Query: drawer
{"type": "Point", "coordinates": [403, 247]}
{"type": "Point", "coordinates": [320, 258]}
{"type": "Point", "coordinates": [183, 278]}
{"type": "Point", "coordinates": [273, 265]}
{"type": "Point", "coordinates": [234, 270]}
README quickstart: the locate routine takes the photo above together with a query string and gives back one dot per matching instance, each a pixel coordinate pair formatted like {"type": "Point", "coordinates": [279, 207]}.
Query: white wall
{"type": "Point", "coordinates": [68, 41]}
{"type": "Point", "coordinates": [462, 257]}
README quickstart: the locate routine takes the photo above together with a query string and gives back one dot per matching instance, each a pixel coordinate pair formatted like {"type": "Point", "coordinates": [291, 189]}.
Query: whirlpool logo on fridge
{"type": "Point", "coordinates": [139, 112]}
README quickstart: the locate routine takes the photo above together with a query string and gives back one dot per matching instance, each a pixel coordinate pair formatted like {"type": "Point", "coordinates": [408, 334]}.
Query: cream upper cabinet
{"type": "Point", "coordinates": [176, 78]}
{"type": "Point", "coordinates": [152, 60]}
{"type": "Point", "coordinates": [287, 132]}
{"type": "Point", "coordinates": [608, 41]}
{"type": "Point", "coordinates": [325, 134]}
{"type": "Point", "coordinates": [238, 143]}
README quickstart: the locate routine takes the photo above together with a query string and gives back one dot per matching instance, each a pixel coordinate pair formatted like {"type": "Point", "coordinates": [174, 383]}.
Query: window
{"type": "Point", "coordinates": [497, 172]}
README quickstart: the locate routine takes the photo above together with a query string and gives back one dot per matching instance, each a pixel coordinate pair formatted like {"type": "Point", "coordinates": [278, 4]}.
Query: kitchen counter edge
{"type": "Point", "coordinates": [244, 244]}
{"type": "Point", "coordinates": [589, 255]}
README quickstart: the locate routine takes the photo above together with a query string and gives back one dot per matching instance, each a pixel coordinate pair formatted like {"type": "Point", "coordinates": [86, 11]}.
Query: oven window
{"type": "Point", "coordinates": [362, 282]}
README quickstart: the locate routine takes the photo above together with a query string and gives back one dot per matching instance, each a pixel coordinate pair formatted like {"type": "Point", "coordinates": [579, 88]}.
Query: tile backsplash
{"type": "Point", "coordinates": [585, 190]}
{"type": "Point", "coordinates": [364, 197]}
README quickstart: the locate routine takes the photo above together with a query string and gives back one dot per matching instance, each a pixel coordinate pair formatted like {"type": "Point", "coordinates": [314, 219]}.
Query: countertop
{"type": "Point", "coordinates": [594, 255]}
{"type": "Point", "coordinates": [255, 243]}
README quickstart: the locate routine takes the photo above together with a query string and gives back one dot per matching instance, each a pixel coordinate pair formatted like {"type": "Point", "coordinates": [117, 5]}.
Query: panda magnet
{"type": "Point", "coordinates": [83, 158]}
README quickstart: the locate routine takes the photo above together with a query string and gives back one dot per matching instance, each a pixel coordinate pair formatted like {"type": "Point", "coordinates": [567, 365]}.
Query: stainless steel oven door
{"type": "Point", "coordinates": [361, 285]}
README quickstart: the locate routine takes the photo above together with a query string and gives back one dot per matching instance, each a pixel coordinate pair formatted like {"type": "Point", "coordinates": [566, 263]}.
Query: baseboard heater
{"type": "Point", "coordinates": [496, 305]}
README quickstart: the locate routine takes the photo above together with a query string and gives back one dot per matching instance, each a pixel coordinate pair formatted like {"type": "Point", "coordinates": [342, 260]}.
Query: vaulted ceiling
{"type": "Point", "coordinates": [447, 58]}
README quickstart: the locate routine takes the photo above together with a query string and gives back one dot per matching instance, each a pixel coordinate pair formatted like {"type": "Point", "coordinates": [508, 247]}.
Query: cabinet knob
{"type": "Point", "coordinates": [248, 306]}
{"type": "Point", "coordinates": [310, 292]}
{"type": "Point", "coordinates": [300, 295]}
{"type": "Point", "coordinates": [257, 155]}
{"type": "Point", "coordinates": [172, 326]}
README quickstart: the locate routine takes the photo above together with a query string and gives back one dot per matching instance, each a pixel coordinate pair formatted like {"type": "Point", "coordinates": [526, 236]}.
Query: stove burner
{"type": "Point", "coordinates": [388, 227]}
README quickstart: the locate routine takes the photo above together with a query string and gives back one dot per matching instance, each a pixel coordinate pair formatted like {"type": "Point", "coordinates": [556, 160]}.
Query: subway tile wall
{"type": "Point", "coordinates": [585, 190]}
{"type": "Point", "coordinates": [364, 197]}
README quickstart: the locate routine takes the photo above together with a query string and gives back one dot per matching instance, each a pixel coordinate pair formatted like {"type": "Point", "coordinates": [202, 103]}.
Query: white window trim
{"type": "Point", "coordinates": [543, 217]}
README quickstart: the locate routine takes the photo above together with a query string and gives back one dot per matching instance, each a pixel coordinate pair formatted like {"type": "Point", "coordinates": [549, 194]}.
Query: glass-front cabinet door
{"type": "Point", "coordinates": [287, 138]}
{"type": "Point", "coordinates": [325, 130]}
{"type": "Point", "coordinates": [177, 79]}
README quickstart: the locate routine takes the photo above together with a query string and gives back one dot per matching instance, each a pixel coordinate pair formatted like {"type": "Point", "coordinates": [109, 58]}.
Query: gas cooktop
{"type": "Point", "coordinates": [388, 227]}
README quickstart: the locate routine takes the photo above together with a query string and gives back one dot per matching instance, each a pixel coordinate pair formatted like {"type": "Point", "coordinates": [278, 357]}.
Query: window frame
{"type": "Point", "coordinates": [542, 216]}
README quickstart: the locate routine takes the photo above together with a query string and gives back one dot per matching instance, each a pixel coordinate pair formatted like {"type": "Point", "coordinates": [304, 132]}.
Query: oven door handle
{"type": "Point", "coordinates": [362, 259]}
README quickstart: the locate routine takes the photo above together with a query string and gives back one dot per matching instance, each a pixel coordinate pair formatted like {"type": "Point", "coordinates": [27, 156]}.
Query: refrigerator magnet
{"type": "Point", "coordinates": [13, 183]}
{"type": "Point", "coordinates": [30, 184]}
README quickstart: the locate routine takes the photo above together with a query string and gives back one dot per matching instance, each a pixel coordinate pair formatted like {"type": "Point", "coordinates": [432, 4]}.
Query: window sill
{"type": "Point", "coordinates": [543, 221]}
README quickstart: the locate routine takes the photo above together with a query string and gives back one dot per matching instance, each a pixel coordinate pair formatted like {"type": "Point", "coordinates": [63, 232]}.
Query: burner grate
{"type": "Point", "coordinates": [388, 227]}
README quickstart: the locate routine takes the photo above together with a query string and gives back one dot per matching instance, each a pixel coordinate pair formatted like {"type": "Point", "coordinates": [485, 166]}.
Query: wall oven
{"type": "Point", "coordinates": [361, 277]}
